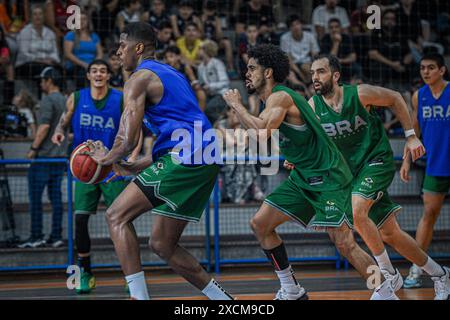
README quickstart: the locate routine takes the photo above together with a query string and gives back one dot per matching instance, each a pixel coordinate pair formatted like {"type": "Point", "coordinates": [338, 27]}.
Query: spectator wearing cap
{"type": "Point", "coordinates": [172, 56]}
{"type": "Point", "coordinates": [189, 45]}
{"type": "Point", "coordinates": [164, 37]}
{"type": "Point", "coordinates": [301, 46]}
{"type": "Point", "coordinates": [254, 12]}
{"type": "Point", "coordinates": [213, 78]}
{"type": "Point", "coordinates": [323, 13]}
{"type": "Point", "coordinates": [37, 47]}
{"type": "Point", "coordinates": [81, 47]}
{"type": "Point", "coordinates": [341, 45]}
{"type": "Point", "coordinates": [41, 175]}
{"type": "Point", "coordinates": [185, 17]}
{"type": "Point", "coordinates": [131, 13]}
{"type": "Point", "coordinates": [156, 15]}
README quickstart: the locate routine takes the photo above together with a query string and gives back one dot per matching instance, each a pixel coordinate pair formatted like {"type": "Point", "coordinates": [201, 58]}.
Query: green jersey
{"type": "Point", "coordinates": [319, 164]}
{"type": "Point", "coordinates": [359, 134]}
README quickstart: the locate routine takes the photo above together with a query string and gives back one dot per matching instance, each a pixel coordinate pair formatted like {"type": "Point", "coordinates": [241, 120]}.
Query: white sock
{"type": "Point", "coordinates": [432, 268]}
{"type": "Point", "coordinates": [215, 292]}
{"type": "Point", "coordinates": [138, 287]}
{"type": "Point", "coordinates": [287, 279]}
{"type": "Point", "coordinates": [384, 262]}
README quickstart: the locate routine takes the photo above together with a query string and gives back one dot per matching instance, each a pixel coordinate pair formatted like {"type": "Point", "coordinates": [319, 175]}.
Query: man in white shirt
{"type": "Point", "coordinates": [323, 13]}
{"type": "Point", "coordinates": [300, 46]}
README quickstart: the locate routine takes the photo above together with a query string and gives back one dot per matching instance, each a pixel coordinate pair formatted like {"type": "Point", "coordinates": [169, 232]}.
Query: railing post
{"type": "Point", "coordinates": [216, 228]}
{"type": "Point", "coordinates": [69, 216]}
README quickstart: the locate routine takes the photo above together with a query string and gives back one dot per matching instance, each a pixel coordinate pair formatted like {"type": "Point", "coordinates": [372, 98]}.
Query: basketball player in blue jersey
{"type": "Point", "coordinates": [93, 113]}
{"type": "Point", "coordinates": [431, 118]}
{"type": "Point", "coordinates": [168, 183]}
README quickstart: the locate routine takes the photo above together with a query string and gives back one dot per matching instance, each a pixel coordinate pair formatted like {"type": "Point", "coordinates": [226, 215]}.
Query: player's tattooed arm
{"type": "Point", "coordinates": [64, 122]}
{"type": "Point", "coordinates": [270, 119]}
{"type": "Point", "coordinates": [377, 96]}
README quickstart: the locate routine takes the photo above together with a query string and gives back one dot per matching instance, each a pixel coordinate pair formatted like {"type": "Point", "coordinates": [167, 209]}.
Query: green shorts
{"type": "Point", "coordinates": [372, 183]}
{"type": "Point", "coordinates": [87, 196]}
{"type": "Point", "coordinates": [312, 209]}
{"type": "Point", "coordinates": [433, 184]}
{"type": "Point", "coordinates": [178, 191]}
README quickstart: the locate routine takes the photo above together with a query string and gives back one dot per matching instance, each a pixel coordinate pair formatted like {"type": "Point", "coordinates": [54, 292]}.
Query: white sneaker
{"type": "Point", "coordinates": [442, 285]}
{"type": "Point", "coordinates": [395, 279]}
{"type": "Point", "coordinates": [384, 291]}
{"type": "Point", "coordinates": [282, 294]}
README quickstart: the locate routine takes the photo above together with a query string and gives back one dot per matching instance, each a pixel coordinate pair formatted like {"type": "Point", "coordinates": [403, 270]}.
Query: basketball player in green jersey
{"type": "Point", "coordinates": [317, 192]}
{"type": "Point", "coordinates": [347, 116]}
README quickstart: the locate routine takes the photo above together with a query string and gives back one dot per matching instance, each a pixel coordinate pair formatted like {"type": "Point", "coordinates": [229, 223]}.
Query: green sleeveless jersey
{"type": "Point", "coordinates": [359, 134]}
{"type": "Point", "coordinates": [319, 166]}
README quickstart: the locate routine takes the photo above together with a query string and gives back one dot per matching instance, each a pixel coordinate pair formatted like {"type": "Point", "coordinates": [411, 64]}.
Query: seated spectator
{"type": "Point", "coordinates": [212, 27]}
{"type": "Point", "coordinates": [164, 37]}
{"type": "Point", "coordinates": [130, 13]}
{"type": "Point", "coordinates": [239, 180]}
{"type": "Point", "coordinates": [323, 13]}
{"type": "Point", "coordinates": [300, 46]}
{"type": "Point", "coordinates": [56, 16]}
{"type": "Point", "coordinates": [172, 56]}
{"type": "Point", "coordinates": [185, 17]}
{"type": "Point", "coordinates": [50, 175]}
{"type": "Point", "coordinates": [81, 47]}
{"type": "Point", "coordinates": [26, 104]}
{"type": "Point", "coordinates": [6, 69]}
{"type": "Point", "coordinates": [104, 21]}
{"type": "Point", "coordinates": [389, 55]}
{"type": "Point", "coordinates": [254, 12]}
{"type": "Point", "coordinates": [213, 77]}
{"type": "Point", "coordinates": [118, 75]}
{"type": "Point", "coordinates": [156, 15]}
{"type": "Point", "coordinates": [189, 45]}
{"type": "Point", "coordinates": [37, 47]}
{"type": "Point", "coordinates": [340, 45]}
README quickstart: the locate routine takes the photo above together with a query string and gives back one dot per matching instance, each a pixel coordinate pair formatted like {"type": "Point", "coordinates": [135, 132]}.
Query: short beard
{"type": "Point", "coordinates": [257, 89]}
{"type": "Point", "coordinates": [251, 90]}
{"type": "Point", "coordinates": [327, 88]}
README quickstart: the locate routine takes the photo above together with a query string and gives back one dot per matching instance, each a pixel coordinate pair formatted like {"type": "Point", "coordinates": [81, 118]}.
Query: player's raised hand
{"type": "Point", "coordinates": [233, 98]}
{"type": "Point", "coordinates": [58, 138]}
{"type": "Point", "coordinates": [404, 171]}
{"type": "Point", "coordinates": [414, 147]}
{"type": "Point", "coordinates": [287, 165]}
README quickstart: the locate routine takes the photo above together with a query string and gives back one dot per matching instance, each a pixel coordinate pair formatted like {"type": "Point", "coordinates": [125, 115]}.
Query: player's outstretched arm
{"type": "Point", "coordinates": [377, 96]}
{"type": "Point", "coordinates": [270, 119]}
{"type": "Point", "coordinates": [128, 136]}
{"type": "Point", "coordinates": [64, 122]}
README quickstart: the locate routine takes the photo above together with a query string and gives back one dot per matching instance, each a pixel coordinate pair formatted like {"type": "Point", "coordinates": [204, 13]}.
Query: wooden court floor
{"type": "Point", "coordinates": [250, 283]}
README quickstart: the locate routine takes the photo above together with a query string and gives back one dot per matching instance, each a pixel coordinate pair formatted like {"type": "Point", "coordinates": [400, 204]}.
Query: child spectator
{"type": "Point", "coordinates": [189, 45]}
{"type": "Point", "coordinates": [164, 35]}
{"type": "Point", "coordinates": [131, 13]}
{"type": "Point", "coordinates": [26, 104]}
{"type": "Point", "coordinates": [156, 15]}
{"type": "Point", "coordinates": [118, 75]}
{"type": "Point", "coordinates": [184, 18]}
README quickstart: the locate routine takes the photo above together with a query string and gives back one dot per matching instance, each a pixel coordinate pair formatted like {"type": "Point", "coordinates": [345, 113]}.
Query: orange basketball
{"type": "Point", "coordinates": [84, 168]}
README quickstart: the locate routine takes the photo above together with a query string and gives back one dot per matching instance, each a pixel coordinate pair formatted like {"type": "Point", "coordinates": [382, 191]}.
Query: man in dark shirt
{"type": "Point", "coordinates": [254, 12]}
{"type": "Point", "coordinates": [41, 175]}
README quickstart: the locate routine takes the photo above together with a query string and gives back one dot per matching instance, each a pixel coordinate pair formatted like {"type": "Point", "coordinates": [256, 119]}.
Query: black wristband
{"type": "Point", "coordinates": [34, 149]}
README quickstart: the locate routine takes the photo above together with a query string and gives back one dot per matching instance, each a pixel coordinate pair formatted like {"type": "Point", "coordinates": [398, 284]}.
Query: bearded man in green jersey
{"type": "Point", "coordinates": [347, 115]}
{"type": "Point", "coordinates": [317, 192]}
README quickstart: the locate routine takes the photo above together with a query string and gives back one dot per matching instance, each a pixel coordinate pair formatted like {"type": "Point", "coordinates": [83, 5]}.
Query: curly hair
{"type": "Point", "coordinates": [271, 56]}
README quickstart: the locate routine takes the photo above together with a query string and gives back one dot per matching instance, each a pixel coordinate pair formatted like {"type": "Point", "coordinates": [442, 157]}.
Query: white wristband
{"type": "Point", "coordinates": [409, 133]}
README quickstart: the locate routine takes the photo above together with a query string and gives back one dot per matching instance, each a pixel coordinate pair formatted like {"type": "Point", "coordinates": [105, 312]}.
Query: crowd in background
{"type": "Point", "coordinates": [208, 41]}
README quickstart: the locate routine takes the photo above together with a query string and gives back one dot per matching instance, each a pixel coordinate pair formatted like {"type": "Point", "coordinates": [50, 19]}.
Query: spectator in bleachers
{"type": "Point", "coordinates": [189, 45]}
{"type": "Point", "coordinates": [390, 57]}
{"type": "Point", "coordinates": [172, 56]}
{"type": "Point", "coordinates": [164, 37]}
{"type": "Point", "coordinates": [6, 69]}
{"type": "Point", "coordinates": [156, 15]}
{"type": "Point", "coordinates": [130, 13]}
{"type": "Point", "coordinates": [104, 21]}
{"type": "Point", "coordinates": [185, 16]}
{"type": "Point", "coordinates": [56, 16]}
{"type": "Point", "coordinates": [25, 103]}
{"type": "Point", "coordinates": [254, 12]}
{"type": "Point", "coordinates": [41, 175]}
{"type": "Point", "coordinates": [340, 45]}
{"type": "Point", "coordinates": [301, 46]}
{"type": "Point", "coordinates": [37, 47]}
{"type": "Point", "coordinates": [323, 13]}
{"type": "Point", "coordinates": [118, 75]}
{"type": "Point", "coordinates": [213, 78]}
{"type": "Point", "coordinates": [212, 30]}
{"type": "Point", "coordinates": [81, 47]}
{"type": "Point", "coordinates": [238, 180]}
{"type": "Point", "coordinates": [14, 15]}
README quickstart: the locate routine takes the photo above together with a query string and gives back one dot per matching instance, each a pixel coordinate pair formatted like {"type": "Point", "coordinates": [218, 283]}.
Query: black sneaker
{"type": "Point", "coordinates": [32, 242]}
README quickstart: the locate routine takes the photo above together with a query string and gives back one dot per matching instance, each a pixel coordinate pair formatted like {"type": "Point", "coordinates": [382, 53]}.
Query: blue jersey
{"type": "Point", "coordinates": [434, 120]}
{"type": "Point", "coordinates": [176, 120]}
{"type": "Point", "coordinates": [90, 123]}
